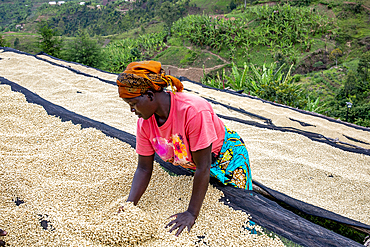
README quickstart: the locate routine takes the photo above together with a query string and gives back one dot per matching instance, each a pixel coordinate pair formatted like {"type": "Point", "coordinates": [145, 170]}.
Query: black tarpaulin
{"type": "Point", "coordinates": [268, 122]}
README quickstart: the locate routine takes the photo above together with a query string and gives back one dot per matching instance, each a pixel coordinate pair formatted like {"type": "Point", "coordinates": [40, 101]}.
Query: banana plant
{"type": "Point", "coordinates": [314, 105]}
{"type": "Point", "coordinates": [237, 80]}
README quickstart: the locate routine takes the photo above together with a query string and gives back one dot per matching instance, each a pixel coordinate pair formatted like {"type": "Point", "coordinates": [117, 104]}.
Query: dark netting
{"type": "Point", "coordinates": [280, 105]}
{"type": "Point", "coordinates": [264, 212]}
{"type": "Point", "coordinates": [268, 122]}
{"type": "Point", "coordinates": [312, 135]}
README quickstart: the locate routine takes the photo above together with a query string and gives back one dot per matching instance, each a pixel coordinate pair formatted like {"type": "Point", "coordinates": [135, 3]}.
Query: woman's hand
{"type": "Point", "coordinates": [2, 233]}
{"type": "Point", "coordinates": [202, 159]}
{"type": "Point", "coordinates": [182, 220]}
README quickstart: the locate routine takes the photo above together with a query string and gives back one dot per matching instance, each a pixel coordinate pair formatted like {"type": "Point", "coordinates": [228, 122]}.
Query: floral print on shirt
{"type": "Point", "coordinates": [173, 150]}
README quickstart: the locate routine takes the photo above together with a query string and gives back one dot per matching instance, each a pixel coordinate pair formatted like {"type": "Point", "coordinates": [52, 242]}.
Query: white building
{"type": "Point", "coordinates": [61, 2]}
{"type": "Point", "coordinates": [82, 3]}
{"type": "Point", "coordinates": [52, 3]}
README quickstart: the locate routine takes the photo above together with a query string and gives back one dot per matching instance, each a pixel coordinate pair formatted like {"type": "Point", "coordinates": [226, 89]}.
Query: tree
{"type": "Point", "coordinates": [335, 54]}
{"type": "Point", "coordinates": [50, 43]}
{"type": "Point", "coordinates": [61, 26]}
{"type": "Point", "coordinates": [3, 43]}
{"type": "Point", "coordinates": [84, 50]}
{"type": "Point", "coordinates": [363, 69]}
{"type": "Point", "coordinates": [169, 13]}
{"type": "Point", "coordinates": [350, 84]}
{"type": "Point", "coordinates": [16, 43]}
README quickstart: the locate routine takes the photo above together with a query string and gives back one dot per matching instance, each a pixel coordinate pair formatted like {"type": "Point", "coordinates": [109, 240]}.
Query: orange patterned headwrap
{"type": "Point", "coordinates": [141, 76]}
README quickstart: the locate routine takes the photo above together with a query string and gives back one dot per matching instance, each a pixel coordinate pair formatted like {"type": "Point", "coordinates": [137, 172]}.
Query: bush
{"type": "Point", "coordinates": [117, 55]}
{"type": "Point", "coordinates": [318, 64]}
{"type": "Point", "coordinates": [16, 43]}
{"type": "Point", "coordinates": [49, 42]}
{"type": "Point", "coordinates": [342, 38]}
{"type": "Point", "coordinates": [84, 50]}
{"type": "Point", "coordinates": [3, 43]}
{"type": "Point", "coordinates": [267, 82]}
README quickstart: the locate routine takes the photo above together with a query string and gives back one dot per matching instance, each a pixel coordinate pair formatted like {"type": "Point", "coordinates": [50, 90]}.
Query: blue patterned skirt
{"type": "Point", "coordinates": [231, 165]}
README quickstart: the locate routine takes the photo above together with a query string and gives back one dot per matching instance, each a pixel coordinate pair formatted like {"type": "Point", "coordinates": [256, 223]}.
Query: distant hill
{"type": "Point", "coordinates": [323, 43]}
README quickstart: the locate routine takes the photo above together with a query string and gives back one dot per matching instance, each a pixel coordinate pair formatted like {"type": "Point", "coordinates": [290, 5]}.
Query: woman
{"type": "Point", "coordinates": [182, 129]}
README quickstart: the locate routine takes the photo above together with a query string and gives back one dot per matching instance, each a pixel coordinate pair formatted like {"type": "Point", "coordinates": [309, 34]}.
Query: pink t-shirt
{"type": "Point", "coordinates": [191, 125]}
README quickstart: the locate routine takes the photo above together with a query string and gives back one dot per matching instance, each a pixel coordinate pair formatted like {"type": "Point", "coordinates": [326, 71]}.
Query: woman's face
{"type": "Point", "coordinates": [142, 106]}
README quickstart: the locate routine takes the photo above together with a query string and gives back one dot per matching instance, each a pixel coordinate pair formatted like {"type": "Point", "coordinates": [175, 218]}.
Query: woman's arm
{"type": "Point", "coordinates": [141, 178]}
{"type": "Point", "coordinates": [202, 159]}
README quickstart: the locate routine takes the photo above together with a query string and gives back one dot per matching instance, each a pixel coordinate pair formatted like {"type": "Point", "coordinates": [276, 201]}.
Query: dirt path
{"type": "Point", "coordinates": [221, 58]}
{"type": "Point", "coordinates": [352, 3]}
{"type": "Point", "coordinates": [192, 73]}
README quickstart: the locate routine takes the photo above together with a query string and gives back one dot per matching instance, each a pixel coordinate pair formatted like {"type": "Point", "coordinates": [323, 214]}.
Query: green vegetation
{"type": "Point", "coordinates": [356, 91]}
{"type": "Point", "coordinates": [116, 17]}
{"type": "Point", "coordinates": [120, 53]}
{"type": "Point", "coordinates": [13, 13]}
{"type": "Point", "coordinates": [267, 82]}
{"type": "Point", "coordinates": [84, 50]}
{"type": "Point", "coordinates": [281, 29]}
{"type": "Point", "coordinates": [312, 47]}
{"type": "Point", "coordinates": [27, 42]}
{"type": "Point", "coordinates": [3, 43]}
{"type": "Point", "coordinates": [171, 12]}
{"type": "Point", "coordinates": [50, 43]}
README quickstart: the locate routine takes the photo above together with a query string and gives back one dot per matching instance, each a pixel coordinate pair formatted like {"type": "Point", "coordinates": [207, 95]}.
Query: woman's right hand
{"type": "Point", "coordinates": [2, 233]}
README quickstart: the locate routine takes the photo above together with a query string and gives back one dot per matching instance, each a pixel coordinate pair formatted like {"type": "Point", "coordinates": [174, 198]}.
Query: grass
{"type": "Point", "coordinates": [175, 56]}
{"type": "Point", "coordinates": [356, 26]}
{"type": "Point", "coordinates": [211, 6]}
{"type": "Point", "coordinates": [27, 41]}
{"type": "Point", "coordinates": [183, 57]}
{"type": "Point", "coordinates": [352, 64]}
{"type": "Point", "coordinates": [257, 55]}
{"type": "Point", "coordinates": [208, 60]}
{"type": "Point", "coordinates": [136, 32]}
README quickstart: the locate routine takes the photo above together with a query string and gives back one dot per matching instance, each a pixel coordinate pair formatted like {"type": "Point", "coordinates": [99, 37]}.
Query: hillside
{"type": "Point", "coordinates": [326, 41]}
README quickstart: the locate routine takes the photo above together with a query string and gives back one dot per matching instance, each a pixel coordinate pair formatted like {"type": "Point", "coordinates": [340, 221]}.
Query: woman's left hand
{"type": "Point", "coordinates": [185, 219]}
